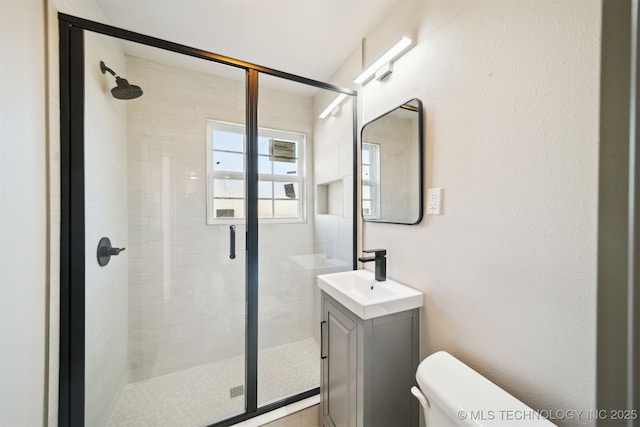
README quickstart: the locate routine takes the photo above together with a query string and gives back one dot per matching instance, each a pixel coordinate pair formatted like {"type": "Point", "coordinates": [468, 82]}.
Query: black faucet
{"type": "Point", "coordinates": [381, 262]}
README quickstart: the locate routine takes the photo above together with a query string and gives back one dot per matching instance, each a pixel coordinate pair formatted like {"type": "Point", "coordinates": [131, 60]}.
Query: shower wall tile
{"type": "Point", "coordinates": [333, 163]}
{"type": "Point", "coordinates": [186, 297]}
{"type": "Point", "coordinates": [333, 154]}
{"type": "Point", "coordinates": [106, 290]}
{"type": "Point", "coordinates": [347, 186]}
{"type": "Point", "coordinates": [326, 150]}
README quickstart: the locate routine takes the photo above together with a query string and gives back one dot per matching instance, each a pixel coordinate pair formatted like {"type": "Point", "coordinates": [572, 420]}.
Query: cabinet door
{"type": "Point", "coordinates": [339, 377]}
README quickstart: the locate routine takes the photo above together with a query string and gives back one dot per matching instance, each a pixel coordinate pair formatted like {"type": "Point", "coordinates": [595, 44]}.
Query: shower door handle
{"type": "Point", "coordinates": [232, 242]}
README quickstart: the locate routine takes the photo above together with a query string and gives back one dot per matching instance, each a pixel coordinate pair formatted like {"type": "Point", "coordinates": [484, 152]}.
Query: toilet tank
{"type": "Point", "coordinates": [456, 395]}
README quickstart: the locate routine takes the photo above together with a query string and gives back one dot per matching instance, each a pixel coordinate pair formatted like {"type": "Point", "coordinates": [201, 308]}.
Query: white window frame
{"type": "Point", "coordinates": [274, 134]}
{"type": "Point", "coordinates": [374, 179]}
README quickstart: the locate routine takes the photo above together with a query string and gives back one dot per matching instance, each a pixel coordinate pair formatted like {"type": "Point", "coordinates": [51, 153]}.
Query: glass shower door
{"type": "Point", "coordinates": [194, 219]}
{"type": "Point", "coordinates": [305, 167]}
{"type": "Point", "coordinates": [165, 318]}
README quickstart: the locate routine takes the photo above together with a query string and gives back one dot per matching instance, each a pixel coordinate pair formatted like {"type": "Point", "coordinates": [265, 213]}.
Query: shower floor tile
{"type": "Point", "coordinates": [202, 395]}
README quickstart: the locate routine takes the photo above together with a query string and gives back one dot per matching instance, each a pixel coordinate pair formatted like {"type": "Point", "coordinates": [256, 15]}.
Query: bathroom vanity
{"type": "Point", "coordinates": [369, 351]}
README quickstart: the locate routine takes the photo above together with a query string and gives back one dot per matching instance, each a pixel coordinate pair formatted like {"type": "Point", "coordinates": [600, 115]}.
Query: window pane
{"type": "Point", "coordinates": [230, 162]}
{"type": "Point", "coordinates": [265, 189]}
{"type": "Point", "coordinates": [366, 207]}
{"type": "Point", "coordinates": [265, 209]}
{"type": "Point", "coordinates": [286, 190]}
{"type": "Point", "coordinates": [263, 145]}
{"type": "Point", "coordinates": [228, 188]}
{"type": "Point", "coordinates": [366, 172]}
{"type": "Point", "coordinates": [286, 208]}
{"type": "Point", "coordinates": [279, 155]}
{"type": "Point", "coordinates": [366, 192]}
{"type": "Point", "coordinates": [228, 208]}
{"type": "Point", "coordinates": [264, 164]}
{"type": "Point", "coordinates": [285, 168]}
{"type": "Point", "coordinates": [366, 156]}
{"type": "Point", "coordinates": [229, 141]}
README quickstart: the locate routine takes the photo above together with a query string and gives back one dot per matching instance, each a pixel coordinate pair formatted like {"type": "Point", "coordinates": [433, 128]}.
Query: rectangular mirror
{"type": "Point", "coordinates": [392, 167]}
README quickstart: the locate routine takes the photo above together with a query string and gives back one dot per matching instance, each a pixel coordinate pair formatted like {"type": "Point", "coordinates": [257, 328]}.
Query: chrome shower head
{"type": "Point", "coordinates": [123, 90]}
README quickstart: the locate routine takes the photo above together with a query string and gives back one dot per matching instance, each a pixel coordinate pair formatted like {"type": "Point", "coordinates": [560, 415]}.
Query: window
{"type": "Point", "coordinates": [370, 180]}
{"type": "Point", "coordinates": [280, 173]}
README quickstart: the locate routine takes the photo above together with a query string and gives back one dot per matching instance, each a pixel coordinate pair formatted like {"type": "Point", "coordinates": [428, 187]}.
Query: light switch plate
{"type": "Point", "coordinates": [434, 201]}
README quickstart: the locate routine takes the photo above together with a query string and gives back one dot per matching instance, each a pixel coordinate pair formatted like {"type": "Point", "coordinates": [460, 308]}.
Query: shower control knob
{"type": "Point", "coordinates": [112, 251]}
{"type": "Point", "coordinates": [106, 251]}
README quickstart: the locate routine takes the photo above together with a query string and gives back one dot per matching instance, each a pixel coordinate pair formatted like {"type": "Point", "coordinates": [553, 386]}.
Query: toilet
{"type": "Point", "coordinates": [453, 394]}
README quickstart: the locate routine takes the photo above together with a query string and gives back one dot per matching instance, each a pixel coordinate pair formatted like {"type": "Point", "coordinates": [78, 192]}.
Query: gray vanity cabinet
{"type": "Point", "coordinates": [368, 368]}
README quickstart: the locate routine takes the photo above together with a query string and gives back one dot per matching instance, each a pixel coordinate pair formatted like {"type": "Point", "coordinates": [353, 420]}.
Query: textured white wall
{"type": "Point", "coordinates": [23, 207]}
{"type": "Point", "coordinates": [510, 91]}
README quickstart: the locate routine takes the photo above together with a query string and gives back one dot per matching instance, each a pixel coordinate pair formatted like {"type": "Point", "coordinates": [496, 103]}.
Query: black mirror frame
{"type": "Point", "coordinates": [421, 150]}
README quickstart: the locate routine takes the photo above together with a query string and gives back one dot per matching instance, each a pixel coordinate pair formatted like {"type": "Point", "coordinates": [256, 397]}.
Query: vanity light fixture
{"type": "Point", "coordinates": [336, 102]}
{"type": "Point", "coordinates": [385, 61]}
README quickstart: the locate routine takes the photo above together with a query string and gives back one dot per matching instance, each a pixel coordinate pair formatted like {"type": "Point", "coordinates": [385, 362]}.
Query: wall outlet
{"type": "Point", "coordinates": [434, 201]}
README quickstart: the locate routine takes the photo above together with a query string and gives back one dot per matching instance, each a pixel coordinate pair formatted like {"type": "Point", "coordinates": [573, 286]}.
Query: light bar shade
{"type": "Point", "coordinates": [333, 105]}
{"type": "Point", "coordinates": [388, 56]}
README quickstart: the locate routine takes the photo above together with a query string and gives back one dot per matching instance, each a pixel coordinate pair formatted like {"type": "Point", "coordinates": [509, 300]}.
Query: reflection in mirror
{"type": "Point", "coordinates": [391, 166]}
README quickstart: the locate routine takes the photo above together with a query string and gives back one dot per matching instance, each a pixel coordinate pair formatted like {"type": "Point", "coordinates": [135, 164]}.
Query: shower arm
{"type": "Point", "coordinates": [104, 69]}
{"type": "Point", "coordinates": [123, 90]}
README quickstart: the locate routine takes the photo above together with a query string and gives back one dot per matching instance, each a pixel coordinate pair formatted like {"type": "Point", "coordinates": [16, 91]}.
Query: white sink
{"type": "Point", "coordinates": [358, 291]}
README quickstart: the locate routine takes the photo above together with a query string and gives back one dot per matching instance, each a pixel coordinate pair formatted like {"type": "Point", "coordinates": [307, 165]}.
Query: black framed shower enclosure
{"type": "Point", "coordinates": [72, 239]}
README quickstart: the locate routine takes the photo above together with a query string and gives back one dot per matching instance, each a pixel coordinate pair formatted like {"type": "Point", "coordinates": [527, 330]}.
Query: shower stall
{"type": "Point", "coordinates": [225, 195]}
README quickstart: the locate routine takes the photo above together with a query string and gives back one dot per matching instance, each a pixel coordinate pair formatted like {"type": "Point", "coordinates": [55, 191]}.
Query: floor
{"type": "Point", "coordinates": [212, 392]}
